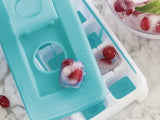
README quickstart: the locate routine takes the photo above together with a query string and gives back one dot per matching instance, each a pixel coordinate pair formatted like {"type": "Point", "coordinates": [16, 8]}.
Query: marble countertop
{"type": "Point", "coordinates": [146, 54]}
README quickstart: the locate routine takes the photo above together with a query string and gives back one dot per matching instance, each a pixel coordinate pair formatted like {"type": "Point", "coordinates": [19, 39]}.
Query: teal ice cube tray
{"type": "Point", "coordinates": [36, 34]}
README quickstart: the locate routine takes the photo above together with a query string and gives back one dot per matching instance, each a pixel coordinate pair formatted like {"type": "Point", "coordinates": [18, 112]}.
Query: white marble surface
{"type": "Point", "coordinates": [146, 54]}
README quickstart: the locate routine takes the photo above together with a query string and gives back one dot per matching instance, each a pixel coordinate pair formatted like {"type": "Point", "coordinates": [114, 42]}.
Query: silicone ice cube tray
{"type": "Point", "coordinates": [34, 39]}
{"type": "Point", "coordinates": [36, 36]}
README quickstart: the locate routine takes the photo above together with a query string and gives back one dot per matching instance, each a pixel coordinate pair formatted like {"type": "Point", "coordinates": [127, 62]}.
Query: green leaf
{"type": "Point", "coordinates": [151, 7]}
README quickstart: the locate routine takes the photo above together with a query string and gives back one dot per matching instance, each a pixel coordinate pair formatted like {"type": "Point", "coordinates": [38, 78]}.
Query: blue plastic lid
{"type": "Point", "coordinates": [43, 97]}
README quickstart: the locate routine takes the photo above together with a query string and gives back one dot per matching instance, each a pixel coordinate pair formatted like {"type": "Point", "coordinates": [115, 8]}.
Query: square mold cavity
{"type": "Point", "coordinates": [106, 66]}
{"type": "Point", "coordinates": [122, 88]}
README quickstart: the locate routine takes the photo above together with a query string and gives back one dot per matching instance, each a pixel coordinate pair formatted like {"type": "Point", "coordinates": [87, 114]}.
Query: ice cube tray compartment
{"type": "Point", "coordinates": [93, 32]}
{"type": "Point", "coordinates": [26, 47]}
{"type": "Point", "coordinates": [104, 66]}
{"type": "Point", "coordinates": [122, 88]}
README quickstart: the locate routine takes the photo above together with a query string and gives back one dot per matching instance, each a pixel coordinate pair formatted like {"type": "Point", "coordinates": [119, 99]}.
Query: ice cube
{"type": "Point", "coordinates": [107, 58]}
{"type": "Point", "coordinates": [72, 73]}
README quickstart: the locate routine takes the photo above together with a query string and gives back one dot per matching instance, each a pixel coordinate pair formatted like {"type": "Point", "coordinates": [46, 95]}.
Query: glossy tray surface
{"type": "Point", "coordinates": [23, 33]}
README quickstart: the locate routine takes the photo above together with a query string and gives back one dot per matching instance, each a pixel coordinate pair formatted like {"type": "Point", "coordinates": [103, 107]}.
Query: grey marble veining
{"type": "Point", "coordinates": [146, 54]}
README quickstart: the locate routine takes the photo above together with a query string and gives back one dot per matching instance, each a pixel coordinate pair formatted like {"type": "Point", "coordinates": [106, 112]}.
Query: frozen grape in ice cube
{"type": "Point", "coordinates": [72, 73]}
{"type": "Point", "coordinates": [145, 24]}
{"type": "Point", "coordinates": [125, 7]}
